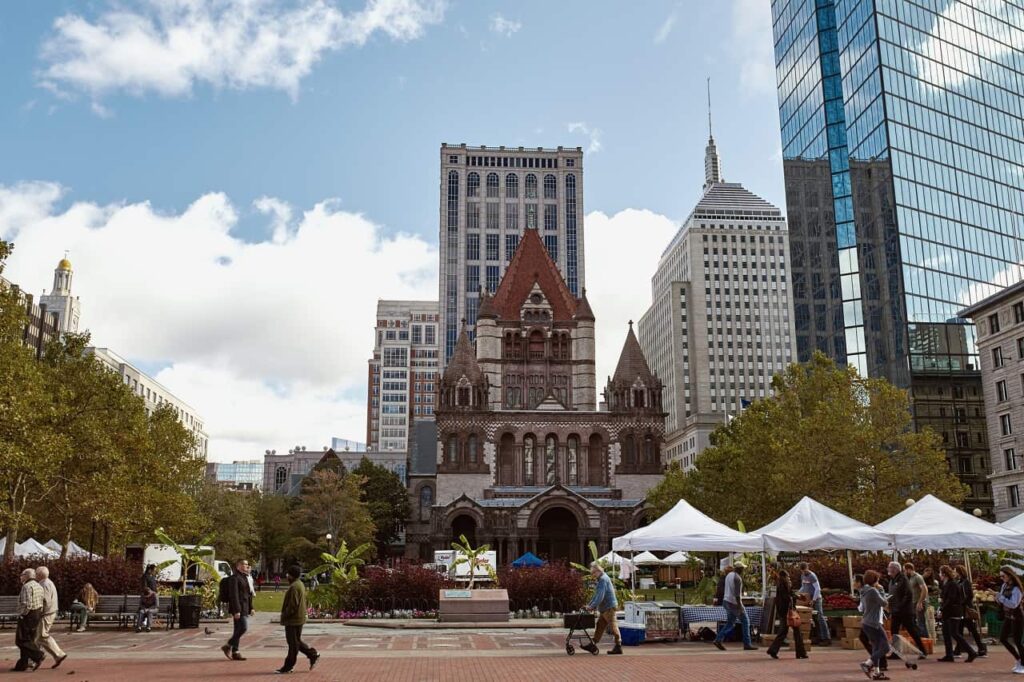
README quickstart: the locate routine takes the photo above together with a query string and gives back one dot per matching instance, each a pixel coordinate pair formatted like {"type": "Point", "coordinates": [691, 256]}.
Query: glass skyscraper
{"type": "Point", "coordinates": [902, 150]}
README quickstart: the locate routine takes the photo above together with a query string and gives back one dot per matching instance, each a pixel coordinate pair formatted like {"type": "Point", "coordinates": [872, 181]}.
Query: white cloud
{"type": "Point", "coordinates": [665, 29]}
{"type": "Point", "coordinates": [505, 27]}
{"type": "Point", "coordinates": [268, 340]}
{"type": "Point", "coordinates": [170, 46]}
{"type": "Point", "coordinates": [622, 252]}
{"type": "Point", "coordinates": [753, 44]}
{"type": "Point", "coordinates": [993, 43]}
{"type": "Point", "coordinates": [594, 134]}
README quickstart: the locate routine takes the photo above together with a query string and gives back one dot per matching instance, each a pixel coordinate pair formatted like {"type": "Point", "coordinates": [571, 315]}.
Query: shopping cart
{"type": "Point", "coordinates": [905, 651]}
{"type": "Point", "coordinates": [578, 625]}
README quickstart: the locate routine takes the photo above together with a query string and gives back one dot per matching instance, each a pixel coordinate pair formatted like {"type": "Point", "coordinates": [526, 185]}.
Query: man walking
{"type": "Point", "coordinates": [30, 613]}
{"type": "Point", "coordinates": [810, 586]}
{"type": "Point", "coordinates": [918, 594]}
{"type": "Point", "coordinates": [46, 640]}
{"type": "Point", "coordinates": [605, 603]}
{"type": "Point", "coordinates": [240, 606]}
{"type": "Point", "coordinates": [734, 609]}
{"type": "Point", "coordinates": [293, 617]}
{"type": "Point", "coordinates": [901, 606]}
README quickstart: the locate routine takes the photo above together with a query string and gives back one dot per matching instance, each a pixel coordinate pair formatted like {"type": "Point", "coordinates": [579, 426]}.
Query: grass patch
{"type": "Point", "coordinates": [268, 601]}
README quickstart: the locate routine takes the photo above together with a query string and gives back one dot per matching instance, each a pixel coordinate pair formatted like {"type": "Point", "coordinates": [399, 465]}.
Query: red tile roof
{"type": "Point", "coordinates": [532, 264]}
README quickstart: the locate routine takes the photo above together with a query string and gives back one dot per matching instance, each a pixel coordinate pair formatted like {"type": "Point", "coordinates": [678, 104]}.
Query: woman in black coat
{"type": "Point", "coordinates": [785, 600]}
{"type": "Point", "coordinates": [969, 623]}
{"type": "Point", "coordinates": [952, 613]}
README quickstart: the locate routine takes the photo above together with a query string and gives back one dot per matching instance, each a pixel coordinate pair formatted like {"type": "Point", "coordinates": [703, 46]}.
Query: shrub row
{"type": "Point", "coordinates": [108, 576]}
{"type": "Point", "coordinates": [553, 587]}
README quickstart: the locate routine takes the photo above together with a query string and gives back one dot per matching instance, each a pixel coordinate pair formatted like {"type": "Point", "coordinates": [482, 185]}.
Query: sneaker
{"type": "Point", "coordinates": [773, 654]}
{"type": "Point", "coordinates": [56, 663]}
{"type": "Point", "coordinates": [282, 671]}
{"type": "Point", "coordinates": [866, 669]}
{"type": "Point", "coordinates": [802, 656]}
{"type": "Point", "coordinates": [750, 647]}
{"type": "Point", "coordinates": [237, 657]}
{"type": "Point", "coordinates": [227, 651]}
{"type": "Point", "coordinates": [1018, 669]}
{"type": "Point", "coordinates": [719, 645]}
{"type": "Point", "coordinates": [946, 659]}
{"type": "Point", "coordinates": [970, 657]}
{"type": "Point", "coordinates": [880, 676]}
{"type": "Point", "coordinates": [590, 648]}
{"type": "Point", "coordinates": [616, 650]}
{"type": "Point", "coordinates": [80, 629]}
{"type": "Point", "coordinates": [314, 659]}
{"type": "Point", "coordinates": [148, 628]}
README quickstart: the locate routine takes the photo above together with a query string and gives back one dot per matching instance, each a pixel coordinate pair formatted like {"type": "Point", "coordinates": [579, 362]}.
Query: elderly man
{"type": "Point", "coordinates": [734, 609]}
{"type": "Point", "coordinates": [46, 640]}
{"type": "Point", "coordinates": [605, 603]}
{"type": "Point", "coordinates": [902, 607]}
{"type": "Point", "coordinates": [30, 612]}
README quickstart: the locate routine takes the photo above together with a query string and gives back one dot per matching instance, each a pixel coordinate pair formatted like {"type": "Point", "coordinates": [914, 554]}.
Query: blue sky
{"type": "Point", "coordinates": [238, 181]}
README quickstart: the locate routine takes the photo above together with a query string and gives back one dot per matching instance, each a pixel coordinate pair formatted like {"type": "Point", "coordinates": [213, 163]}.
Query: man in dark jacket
{"type": "Point", "coordinates": [901, 606]}
{"type": "Point", "coordinates": [240, 607]}
{"type": "Point", "coordinates": [720, 587]}
{"type": "Point", "coordinates": [293, 617]}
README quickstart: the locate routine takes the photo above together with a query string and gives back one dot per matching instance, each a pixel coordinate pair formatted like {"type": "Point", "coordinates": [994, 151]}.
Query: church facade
{"type": "Point", "coordinates": [525, 459]}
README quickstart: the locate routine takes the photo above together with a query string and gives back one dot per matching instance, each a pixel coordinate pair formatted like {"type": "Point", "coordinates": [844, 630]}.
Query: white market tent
{"type": "Point", "coordinates": [646, 559]}
{"type": "Point", "coordinates": [613, 558]}
{"type": "Point", "coordinates": [684, 528]}
{"type": "Point", "coordinates": [1015, 524]}
{"type": "Point", "coordinates": [33, 547]}
{"type": "Point", "coordinates": [75, 550]}
{"type": "Point", "coordinates": [52, 544]}
{"type": "Point", "coordinates": [931, 524]}
{"type": "Point", "coordinates": [810, 525]}
{"type": "Point", "coordinates": [676, 559]}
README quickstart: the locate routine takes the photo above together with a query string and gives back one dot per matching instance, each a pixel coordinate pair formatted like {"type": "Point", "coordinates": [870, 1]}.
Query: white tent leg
{"type": "Point", "coordinates": [764, 577]}
{"type": "Point", "coordinates": [849, 566]}
{"type": "Point", "coordinates": [967, 565]}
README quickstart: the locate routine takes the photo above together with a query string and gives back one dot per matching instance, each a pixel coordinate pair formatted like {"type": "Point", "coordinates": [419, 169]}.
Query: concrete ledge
{"type": "Point", "coordinates": [397, 624]}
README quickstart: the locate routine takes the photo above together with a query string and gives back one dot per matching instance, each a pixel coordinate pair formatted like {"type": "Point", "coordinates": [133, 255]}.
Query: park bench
{"type": "Point", "coordinates": [8, 610]}
{"type": "Point", "coordinates": [109, 606]}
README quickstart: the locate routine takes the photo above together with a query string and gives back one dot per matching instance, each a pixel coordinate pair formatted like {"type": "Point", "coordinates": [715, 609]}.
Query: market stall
{"type": "Point", "coordinates": [931, 524]}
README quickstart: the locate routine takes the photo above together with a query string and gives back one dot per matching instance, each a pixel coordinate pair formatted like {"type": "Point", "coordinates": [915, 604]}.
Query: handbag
{"type": "Point", "coordinates": [793, 619]}
{"type": "Point", "coordinates": [972, 613]}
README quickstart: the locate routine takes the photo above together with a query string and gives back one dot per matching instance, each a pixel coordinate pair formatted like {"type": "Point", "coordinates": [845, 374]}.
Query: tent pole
{"type": "Point", "coordinates": [849, 566]}
{"type": "Point", "coordinates": [764, 577]}
{"type": "Point", "coordinates": [967, 565]}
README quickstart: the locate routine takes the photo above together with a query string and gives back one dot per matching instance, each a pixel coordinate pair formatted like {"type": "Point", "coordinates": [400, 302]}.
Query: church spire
{"type": "Point", "coordinates": [712, 166]}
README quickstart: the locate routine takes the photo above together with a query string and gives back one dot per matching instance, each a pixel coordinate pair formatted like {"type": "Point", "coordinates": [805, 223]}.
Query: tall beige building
{"type": "Point", "coordinates": [488, 197]}
{"type": "Point", "coordinates": [721, 320]}
{"type": "Point", "coordinates": [60, 301]}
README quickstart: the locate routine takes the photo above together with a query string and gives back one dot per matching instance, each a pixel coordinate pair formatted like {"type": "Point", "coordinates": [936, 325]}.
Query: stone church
{"type": "Point", "coordinates": [526, 460]}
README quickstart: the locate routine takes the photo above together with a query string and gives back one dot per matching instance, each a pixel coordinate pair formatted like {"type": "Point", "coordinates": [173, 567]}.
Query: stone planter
{"type": "Point", "coordinates": [473, 606]}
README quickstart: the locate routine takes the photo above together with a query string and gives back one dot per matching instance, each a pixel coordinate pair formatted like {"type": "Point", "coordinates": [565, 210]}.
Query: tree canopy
{"type": "Point", "coordinates": [387, 501]}
{"type": "Point", "coordinates": [826, 432]}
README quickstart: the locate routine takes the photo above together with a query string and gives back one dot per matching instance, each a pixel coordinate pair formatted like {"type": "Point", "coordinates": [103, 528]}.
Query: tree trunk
{"type": "Point", "coordinates": [12, 533]}
{"type": "Point", "coordinates": [68, 521]}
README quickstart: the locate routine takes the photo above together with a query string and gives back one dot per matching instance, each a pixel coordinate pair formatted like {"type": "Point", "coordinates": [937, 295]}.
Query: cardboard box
{"type": "Point", "coordinates": [852, 622]}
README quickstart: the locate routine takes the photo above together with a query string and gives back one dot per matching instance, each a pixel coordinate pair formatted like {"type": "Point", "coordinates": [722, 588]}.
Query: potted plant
{"type": "Point", "coordinates": [471, 604]}
{"type": "Point", "coordinates": [190, 601]}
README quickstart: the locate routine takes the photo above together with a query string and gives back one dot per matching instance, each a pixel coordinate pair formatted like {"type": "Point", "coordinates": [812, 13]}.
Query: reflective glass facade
{"type": "Point", "coordinates": [902, 144]}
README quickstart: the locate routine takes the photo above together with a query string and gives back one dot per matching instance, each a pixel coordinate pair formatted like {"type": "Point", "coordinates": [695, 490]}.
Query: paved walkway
{"type": "Point", "coordinates": [418, 656]}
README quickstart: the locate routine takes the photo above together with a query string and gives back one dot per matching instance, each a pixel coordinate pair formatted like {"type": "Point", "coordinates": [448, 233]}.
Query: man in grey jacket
{"type": "Point", "coordinates": [50, 603]}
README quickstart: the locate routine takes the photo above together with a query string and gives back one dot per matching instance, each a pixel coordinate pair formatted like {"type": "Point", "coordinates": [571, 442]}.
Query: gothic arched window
{"type": "Point", "coordinates": [649, 450]}
{"type": "Point", "coordinates": [473, 185]}
{"type": "Point", "coordinates": [529, 443]}
{"type": "Point", "coordinates": [463, 396]}
{"type": "Point", "coordinates": [473, 444]}
{"type": "Point", "coordinates": [451, 452]}
{"type": "Point", "coordinates": [550, 188]}
{"type": "Point", "coordinates": [511, 186]}
{"type": "Point", "coordinates": [531, 187]}
{"type": "Point", "coordinates": [426, 502]}
{"type": "Point", "coordinates": [572, 459]}
{"type": "Point", "coordinates": [550, 468]}
{"type": "Point", "coordinates": [629, 450]}
{"type": "Point", "coordinates": [492, 185]}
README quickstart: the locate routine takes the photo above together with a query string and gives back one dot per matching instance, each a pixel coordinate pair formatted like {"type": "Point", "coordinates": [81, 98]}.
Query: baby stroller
{"type": "Point", "coordinates": [578, 625]}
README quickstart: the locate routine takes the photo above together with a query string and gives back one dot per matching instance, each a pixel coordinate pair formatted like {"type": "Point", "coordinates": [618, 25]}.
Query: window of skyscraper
{"type": "Point", "coordinates": [511, 186]}
{"type": "Point", "coordinates": [473, 185]}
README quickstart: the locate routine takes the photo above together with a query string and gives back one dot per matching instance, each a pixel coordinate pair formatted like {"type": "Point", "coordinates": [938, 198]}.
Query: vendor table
{"type": "Point", "coordinates": [717, 614]}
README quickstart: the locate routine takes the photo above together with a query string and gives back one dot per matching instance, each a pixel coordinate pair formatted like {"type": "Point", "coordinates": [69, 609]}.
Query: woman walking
{"type": "Point", "coordinates": [970, 620]}
{"type": "Point", "coordinates": [872, 601]}
{"type": "Point", "coordinates": [785, 605]}
{"type": "Point", "coordinates": [952, 613]}
{"type": "Point", "coordinates": [1013, 617]}
{"type": "Point", "coordinates": [84, 605]}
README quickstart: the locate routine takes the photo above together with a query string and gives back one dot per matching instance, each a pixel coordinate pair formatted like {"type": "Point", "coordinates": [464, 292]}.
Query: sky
{"type": "Point", "coordinates": [237, 182]}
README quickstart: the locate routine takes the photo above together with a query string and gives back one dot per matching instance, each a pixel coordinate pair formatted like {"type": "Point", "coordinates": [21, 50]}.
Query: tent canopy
{"type": "Point", "coordinates": [1015, 524]}
{"type": "Point", "coordinates": [646, 559]}
{"type": "Point", "coordinates": [684, 528]}
{"type": "Point", "coordinates": [32, 547]}
{"type": "Point", "coordinates": [52, 544]}
{"type": "Point", "coordinates": [528, 560]}
{"type": "Point", "coordinates": [613, 558]}
{"type": "Point", "coordinates": [75, 550]}
{"type": "Point", "coordinates": [810, 525]}
{"type": "Point", "coordinates": [676, 559]}
{"type": "Point", "coordinates": [931, 524]}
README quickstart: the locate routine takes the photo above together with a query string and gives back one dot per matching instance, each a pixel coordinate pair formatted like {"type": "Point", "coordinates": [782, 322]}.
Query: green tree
{"type": "Point", "coordinates": [274, 526]}
{"type": "Point", "coordinates": [387, 500]}
{"type": "Point", "coordinates": [330, 504]}
{"type": "Point", "coordinates": [231, 516]}
{"type": "Point", "coordinates": [826, 432]}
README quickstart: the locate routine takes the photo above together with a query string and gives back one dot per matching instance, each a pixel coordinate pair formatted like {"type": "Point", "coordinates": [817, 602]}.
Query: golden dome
{"type": "Point", "coordinates": [64, 264]}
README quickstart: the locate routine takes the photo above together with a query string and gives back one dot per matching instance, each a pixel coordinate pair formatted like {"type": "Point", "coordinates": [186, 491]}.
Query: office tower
{"type": "Point", "coordinates": [60, 300]}
{"type": "Point", "coordinates": [903, 162]}
{"type": "Point", "coordinates": [488, 196]}
{"type": "Point", "coordinates": [720, 323]}
{"type": "Point", "coordinates": [402, 372]}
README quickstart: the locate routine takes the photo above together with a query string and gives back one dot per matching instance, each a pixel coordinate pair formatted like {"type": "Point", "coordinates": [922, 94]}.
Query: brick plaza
{"type": "Point", "coordinates": [356, 653]}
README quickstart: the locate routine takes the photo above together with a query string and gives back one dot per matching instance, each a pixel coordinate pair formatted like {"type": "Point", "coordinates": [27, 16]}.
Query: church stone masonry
{"type": "Point", "coordinates": [525, 460]}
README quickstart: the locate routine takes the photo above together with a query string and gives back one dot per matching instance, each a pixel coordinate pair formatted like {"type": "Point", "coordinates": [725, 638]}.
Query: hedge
{"type": "Point", "coordinates": [108, 576]}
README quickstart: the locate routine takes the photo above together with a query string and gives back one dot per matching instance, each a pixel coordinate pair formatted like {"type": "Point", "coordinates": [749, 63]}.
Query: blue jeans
{"type": "Point", "coordinates": [241, 626]}
{"type": "Point", "coordinates": [735, 613]}
{"type": "Point", "coordinates": [823, 633]}
{"type": "Point", "coordinates": [879, 643]}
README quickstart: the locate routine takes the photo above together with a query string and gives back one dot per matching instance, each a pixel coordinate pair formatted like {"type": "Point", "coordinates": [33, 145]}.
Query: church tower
{"type": "Point", "coordinates": [60, 300]}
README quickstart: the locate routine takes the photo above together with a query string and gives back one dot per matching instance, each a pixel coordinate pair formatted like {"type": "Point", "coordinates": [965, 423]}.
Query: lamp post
{"type": "Point", "coordinates": [910, 502]}
{"type": "Point", "coordinates": [330, 545]}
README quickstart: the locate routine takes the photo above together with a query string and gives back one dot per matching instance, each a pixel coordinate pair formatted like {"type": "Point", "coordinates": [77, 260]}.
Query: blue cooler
{"type": "Point", "coordinates": [632, 633]}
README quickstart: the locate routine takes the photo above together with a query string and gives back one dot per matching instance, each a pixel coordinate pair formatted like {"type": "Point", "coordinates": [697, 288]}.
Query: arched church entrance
{"type": "Point", "coordinates": [558, 535]}
{"type": "Point", "coordinates": [464, 524]}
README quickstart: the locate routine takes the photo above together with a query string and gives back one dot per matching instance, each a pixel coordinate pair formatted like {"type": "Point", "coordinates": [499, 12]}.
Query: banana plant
{"type": "Point", "coordinates": [474, 557]}
{"type": "Point", "coordinates": [622, 591]}
{"type": "Point", "coordinates": [343, 566]}
{"type": "Point", "coordinates": [188, 557]}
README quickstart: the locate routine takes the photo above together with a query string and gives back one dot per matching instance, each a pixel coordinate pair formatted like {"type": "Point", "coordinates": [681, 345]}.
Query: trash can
{"type": "Point", "coordinates": [189, 608]}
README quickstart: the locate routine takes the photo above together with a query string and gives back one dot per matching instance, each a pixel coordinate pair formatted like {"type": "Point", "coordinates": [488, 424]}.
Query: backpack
{"type": "Point", "coordinates": [224, 590]}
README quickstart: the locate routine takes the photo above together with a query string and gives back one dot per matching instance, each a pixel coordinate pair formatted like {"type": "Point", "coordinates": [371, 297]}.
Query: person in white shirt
{"type": "Point", "coordinates": [46, 641]}
{"type": "Point", "coordinates": [810, 586]}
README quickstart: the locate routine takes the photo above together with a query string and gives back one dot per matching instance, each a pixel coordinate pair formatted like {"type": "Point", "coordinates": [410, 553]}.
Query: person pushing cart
{"type": "Point", "coordinates": [605, 604]}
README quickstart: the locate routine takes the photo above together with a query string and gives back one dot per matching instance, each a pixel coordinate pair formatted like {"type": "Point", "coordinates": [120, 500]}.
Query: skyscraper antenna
{"type": "Point", "coordinates": [709, 106]}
